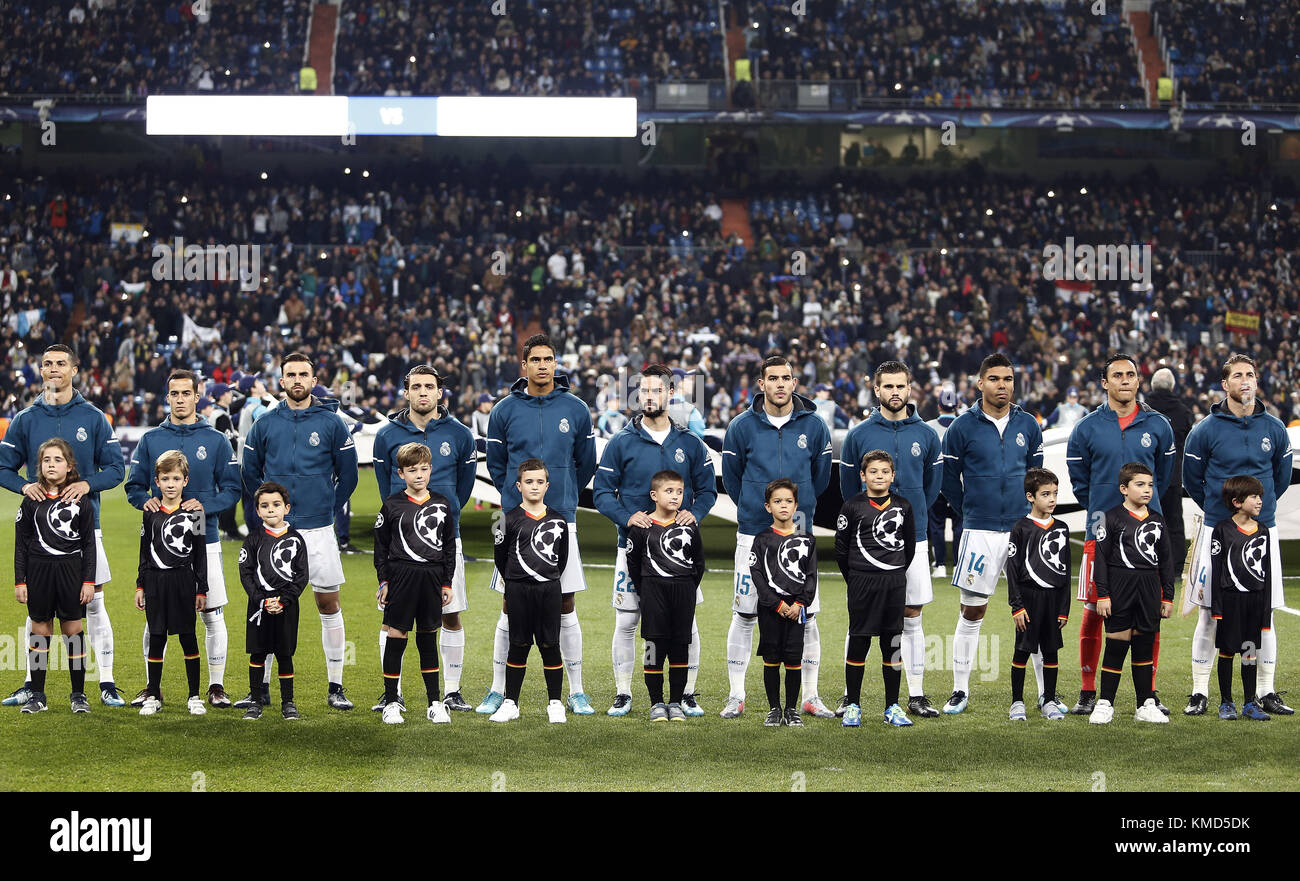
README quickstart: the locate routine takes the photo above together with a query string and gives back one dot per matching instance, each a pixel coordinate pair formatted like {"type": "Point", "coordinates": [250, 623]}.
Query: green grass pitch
{"type": "Point", "coordinates": [116, 750]}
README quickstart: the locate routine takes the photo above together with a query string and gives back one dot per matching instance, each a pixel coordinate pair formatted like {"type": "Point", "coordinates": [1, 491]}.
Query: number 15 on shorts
{"type": "Point", "coordinates": [743, 584]}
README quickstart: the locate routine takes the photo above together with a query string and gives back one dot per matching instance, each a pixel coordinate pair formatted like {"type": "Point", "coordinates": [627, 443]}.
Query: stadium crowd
{"type": "Point", "coordinates": [1231, 53]}
{"type": "Point", "coordinates": [950, 51]}
{"type": "Point", "coordinates": [135, 48]}
{"type": "Point", "coordinates": [559, 48]}
{"type": "Point", "coordinates": [378, 275]}
{"type": "Point", "coordinates": [942, 52]}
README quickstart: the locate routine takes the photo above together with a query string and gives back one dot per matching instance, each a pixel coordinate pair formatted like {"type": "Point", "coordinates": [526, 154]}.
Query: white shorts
{"type": "Point", "coordinates": [920, 589]}
{"type": "Point", "coordinates": [1198, 592]}
{"type": "Point", "coordinates": [102, 575]}
{"type": "Point", "coordinates": [980, 560]}
{"type": "Point", "coordinates": [459, 599]}
{"type": "Point", "coordinates": [216, 578]}
{"type": "Point", "coordinates": [571, 579]}
{"type": "Point", "coordinates": [745, 597]}
{"type": "Point", "coordinates": [324, 562]}
{"type": "Point", "coordinates": [625, 598]}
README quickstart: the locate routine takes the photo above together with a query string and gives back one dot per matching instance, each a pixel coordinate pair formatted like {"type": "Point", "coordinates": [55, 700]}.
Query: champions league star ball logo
{"type": "Point", "coordinates": [63, 519]}
{"type": "Point", "coordinates": [841, 523]}
{"type": "Point", "coordinates": [1253, 554]}
{"type": "Point", "coordinates": [1052, 550]}
{"type": "Point", "coordinates": [545, 539]}
{"type": "Point", "coordinates": [428, 525]}
{"type": "Point", "coordinates": [791, 556]}
{"type": "Point", "coordinates": [753, 559]}
{"type": "Point", "coordinates": [1215, 548]}
{"type": "Point", "coordinates": [1148, 536]}
{"type": "Point", "coordinates": [283, 555]}
{"type": "Point", "coordinates": [888, 529]}
{"type": "Point", "coordinates": [379, 521]}
{"type": "Point", "coordinates": [676, 542]}
{"type": "Point", "coordinates": [201, 453]}
{"type": "Point", "coordinates": [176, 534]}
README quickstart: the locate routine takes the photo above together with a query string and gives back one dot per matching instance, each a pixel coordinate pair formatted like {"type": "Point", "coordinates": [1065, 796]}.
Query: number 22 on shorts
{"type": "Point", "coordinates": [621, 581]}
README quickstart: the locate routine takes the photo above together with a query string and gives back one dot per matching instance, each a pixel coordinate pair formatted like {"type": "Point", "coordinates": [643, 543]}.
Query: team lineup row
{"type": "Point", "coordinates": [978, 461]}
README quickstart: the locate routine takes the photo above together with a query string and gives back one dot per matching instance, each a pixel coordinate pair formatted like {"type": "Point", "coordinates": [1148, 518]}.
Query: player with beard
{"type": "Point", "coordinates": [304, 446]}
{"type": "Point", "coordinates": [650, 443]}
{"type": "Point", "coordinates": [214, 486]}
{"type": "Point", "coordinates": [1239, 437]}
{"type": "Point", "coordinates": [779, 436]}
{"type": "Point", "coordinates": [986, 452]}
{"type": "Point", "coordinates": [62, 411]}
{"type": "Point", "coordinates": [917, 457]}
{"type": "Point", "coordinates": [454, 461]}
{"type": "Point", "coordinates": [1121, 430]}
{"type": "Point", "coordinates": [542, 419]}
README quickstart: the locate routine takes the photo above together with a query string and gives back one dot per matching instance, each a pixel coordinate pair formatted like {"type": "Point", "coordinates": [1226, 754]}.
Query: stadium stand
{"type": "Point", "coordinates": [391, 272]}
{"type": "Point", "coordinates": [1232, 53]}
{"type": "Point", "coordinates": [134, 48]}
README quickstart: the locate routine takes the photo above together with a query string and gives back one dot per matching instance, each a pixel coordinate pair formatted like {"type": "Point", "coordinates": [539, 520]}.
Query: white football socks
{"type": "Point", "coordinates": [624, 649]}
{"type": "Point", "coordinates": [500, 650]}
{"type": "Point", "coordinates": [332, 641]}
{"type": "Point", "coordinates": [451, 651]}
{"type": "Point", "coordinates": [214, 621]}
{"type": "Point", "coordinates": [812, 658]}
{"type": "Point", "coordinates": [964, 643]}
{"type": "Point", "coordinates": [27, 640]}
{"type": "Point", "coordinates": [1267, 656]}
{"type": "Point", "coordinates": [912, 644]}
{"type": "Point", "coordinates": [1203, 652]}
{"type": "Point", "coordinates": [571, 650]}
{"type": "Point", "coordinates": [1037, 658]}
{"type": "Point", "coordinates": [740, 645]}
{"type": "Point", "coordinates": [100, 631]}
{"type": "Point", "coordinates": [693, 658]}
